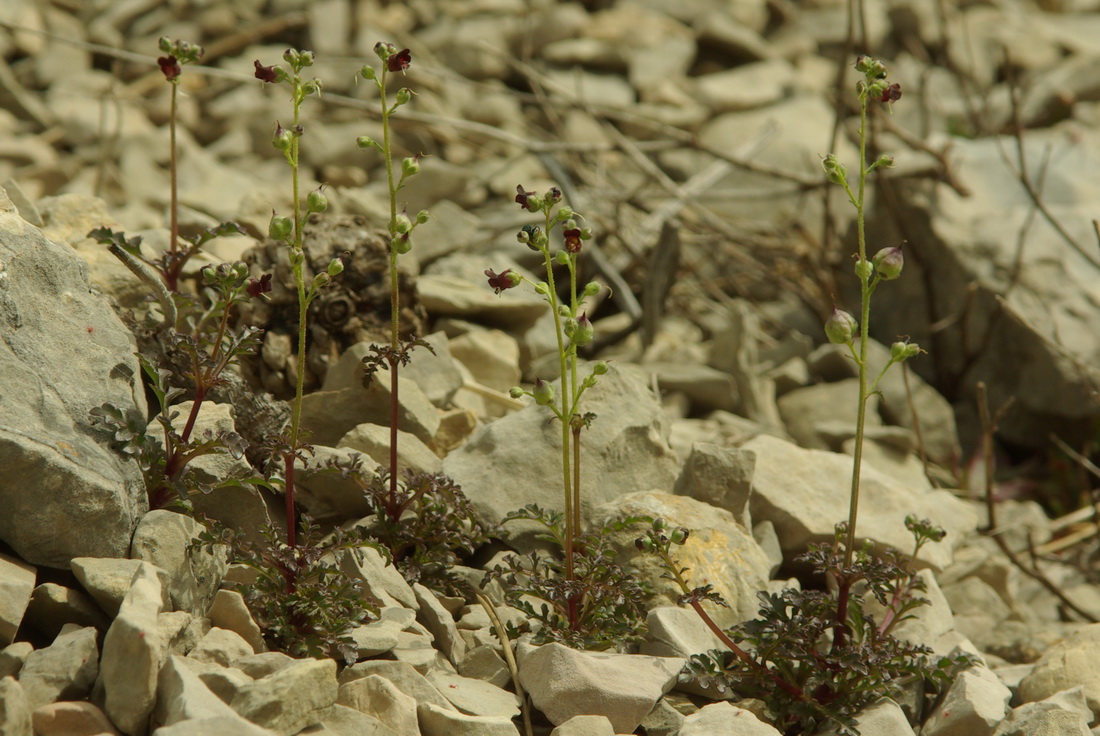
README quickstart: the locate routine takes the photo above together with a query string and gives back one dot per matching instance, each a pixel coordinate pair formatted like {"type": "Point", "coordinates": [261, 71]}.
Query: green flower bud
{"type": "Point", "coordinates": [580, 331]}
{"type": "Point", "coordinates": [565, 212]}
{"type": "Point", "coordinates": [901, 351]}
{"type": "Point", "coordinates": [335, 267]}
{"type": "Point", "coordinates": [885, 161]}
{"type": "Point", "coordinates": [384, 50]}
{"type": "Point", "coordinates": [410, 166]}
{"type": "Point", "coordinates": [888, 262]}
{"type": "Point", "coordinates": [209, 274]}
{"type": "Point", "coordinates": [864, 269]}
{"type": "Point", "coordinates": [297, 257]}
{"type": "Point", "coordinates": [600, 368]}
{"type": "Point", "coordinates": [321, 280]}
{"type": "Point", "coordinates": [840, 327]}
{"type": "Point", "coordinates": [422, 216]}
{"type": "Point", "coordinates": [543, 393]}
{"type": "Point", "coordinates": [592, 288]}
{"type": "Point", "coordinates": [281, 138]}
{"type": "Point", "coordinates": [403, 95]}
{"type": "Point", "coordinates": [316, 201]}
{"type": "Point", "coordinates": [562, 257]}
{"type": "Point", "coordinates": [279, 228]}
{"type": "Point", "coordinates": [516, 392]}
{"type": "Point", "coordinates": [305, 58]}
{"type": "Point", "coordinates": [835, 171]}
{"type": "Point", "coordinates": [311, 87]}
{"type": "Point", "coordinates": [402, 224]}
{"type": "Point", "coordinates": [240, 270]}
{"type": "Point", "coordinates": [542, 288]}
{"type": "Point", "coordinates": [679, 535]}
{"type": "Point", "coordinates": [401, 244]}
{"type": "Point", "coordinates": [165, 45]}
{"type": "Point", "coordinates": [365, 141]}
{"type": "Point", "coordinates": [368, 72]}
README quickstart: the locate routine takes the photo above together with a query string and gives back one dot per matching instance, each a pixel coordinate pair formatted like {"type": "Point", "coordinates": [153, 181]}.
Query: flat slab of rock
{"type": "Point", "coordinates": [564, 682]}
{"type": "Point", "coordinates": [516, 460]}
{"type": "Point", "coordinates": [804, 493]}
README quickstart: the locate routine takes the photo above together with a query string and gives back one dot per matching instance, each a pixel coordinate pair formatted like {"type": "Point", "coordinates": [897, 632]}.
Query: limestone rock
{"type": "Point", "coordinates": [585, 726]}
{"type": "Point", "coordinates": [164, 539]}
{"type": "Point", "coordinates": [718, 550]}
{"type": "Point", "coordinates": [229, 611]}
{"type": "Point", "coordinates": [436, 721]}
{"type": "Point", "coordinates": [65, 670]}
{"type": "Point", "coordinates": [65, 493]}
{"type": "Point", "coordinates": [109, 580]}
{"type": "Point", "coordinates": [974, 704]}
{"type": "Point", "coordinates": [719, 476]}
{"type": "Point", "coordinates": [378, 697]}
{"type": "Point", "coordinates": [629, 424]}
{"type": "Point", "coordinates": [289, 700]}
{"type": "Point", "coordinates": [69, 718]}
{"type": "Point", "coordinates": [1069, 663]}
{"type": "Point", "coordinates": [563, 683]}
{"type": "Point", "coordinates": [16, 585]}
{"type": "Point", "coordinates": [15, 712]}
{"type": "Point", "coordinates": [805, 494]}
{"type": "Point", "coordinates": [723, 719]}
{"type": "Point", "coordinates": [131, 656]}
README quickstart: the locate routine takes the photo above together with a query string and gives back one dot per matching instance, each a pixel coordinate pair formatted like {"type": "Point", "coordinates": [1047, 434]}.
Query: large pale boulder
{"type": "Point", "coordinates": [64, 492]}
{"type": "Point", "coordinates": [516, 460]}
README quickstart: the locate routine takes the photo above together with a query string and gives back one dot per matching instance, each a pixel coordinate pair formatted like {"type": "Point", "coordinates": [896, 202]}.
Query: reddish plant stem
{"type": "Point", "coordinates": [392, 506]}
{"type": "Point", "coordinates": [291, 513]}
{"type": "Point", "coordinates": [573, 525]}
{"type": "Point", "coordinates": [787, 687]}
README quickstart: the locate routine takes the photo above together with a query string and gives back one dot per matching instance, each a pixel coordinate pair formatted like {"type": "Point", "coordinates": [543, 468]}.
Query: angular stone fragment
{"type": "Point", "coordinates": [290, 699]}
{"type": "Point", "coordinates": [131, 655]}
{"type": "Point", "coordinates": [563, 683]}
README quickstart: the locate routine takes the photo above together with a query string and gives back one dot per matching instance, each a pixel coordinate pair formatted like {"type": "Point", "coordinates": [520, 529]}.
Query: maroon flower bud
{"type": "Point", "coordinates": [169, 67]}
{"type": "Point", "coordinates": [400, 61]}
{"type": "Point", "coordinates": [266, 73]}
{"type": "Point", "coordinates": [259, 286]}
{"type": "Point", "coordinates": [506, 279]}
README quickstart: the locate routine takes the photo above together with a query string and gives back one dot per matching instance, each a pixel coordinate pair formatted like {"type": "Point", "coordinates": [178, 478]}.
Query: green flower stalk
{"type": "Point", "coordinates": [573, 329]}
{"type": "Point", "coordinates": [401, 227]}
{"type": "Point", "coordinates": [886, 265]}
{"type": "Point", "coordinates": [290, 231]}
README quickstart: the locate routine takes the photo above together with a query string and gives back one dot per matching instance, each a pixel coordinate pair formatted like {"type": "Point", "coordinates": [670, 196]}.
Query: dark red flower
{"type": "Point", "coordinates": [265, 73]}
{"type": "Point", "coordinates": [572, 240]}
{"type": "Point", "coordinates": [169, 66]}
{"type": "Point", "coordinates": [506, 279]}
{"type": "Point", "coordinates": [521, 198]}
{"type": "Point", "coordinates": [400, 61]}
{"type": "Point", "coordinates": [257, 286]}
{"type": "Point", "coordinates": [891, 93]}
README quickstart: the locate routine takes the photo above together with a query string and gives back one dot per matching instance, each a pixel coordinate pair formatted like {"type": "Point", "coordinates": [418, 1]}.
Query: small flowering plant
{"type": "Point", "coordinates": [422, 520]}
{"type": "Point", "coordinates": [576, 602]}
{"type": "Point", "coordinates": [842, 328]}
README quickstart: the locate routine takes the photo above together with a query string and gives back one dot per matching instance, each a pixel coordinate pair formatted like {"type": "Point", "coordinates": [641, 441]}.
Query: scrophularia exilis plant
{"type": "Point", "coordinates": [818, 657]}
{"type": "Point", "coordinates": [886, 265]}
{"type": "Point", "coordinates": [289, 230]}
{"type": "Point", "coordinates": [421, 519]}
{"type": "Point", "coordinates": [593, 603]}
